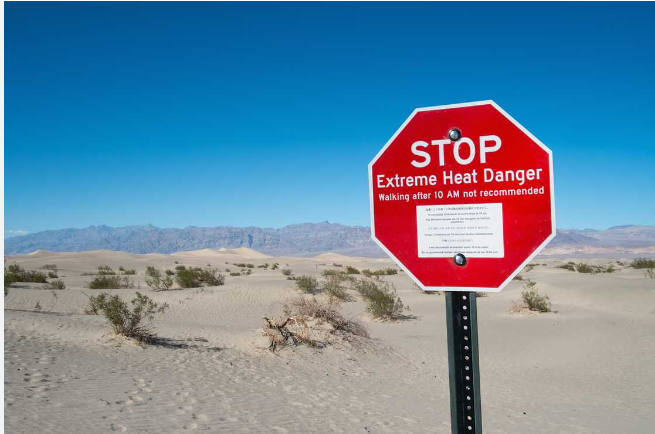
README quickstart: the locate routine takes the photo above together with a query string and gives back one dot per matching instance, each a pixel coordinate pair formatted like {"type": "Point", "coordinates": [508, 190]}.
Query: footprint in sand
{"type": "Point", "coordinates": [118, 427]}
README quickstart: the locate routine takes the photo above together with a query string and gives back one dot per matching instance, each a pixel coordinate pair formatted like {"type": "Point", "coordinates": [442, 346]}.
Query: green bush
{"type": "Point", "coordinates": [179, 267]}
{"type": "Point", "coordinates": [95, 303]}
{"type": "Point", "coordinates": [110, 282]}
{"type": "Point", "coordinates": [584, 268]}
{"type": "Point", "coordinates": [195, 277]}
{"type": "Point", "coordinates": [535, 301]}
{"type": "Point", "coordinates": [131, 322]}
{"type": "Point", "coordinates": [334, 288]}
{"type": "Point", "coordinates": [105, 270]}
{"type": "Point", "coordinates": [377, 273]}
{"type": "Point", "coordinates": [307, 284]}
{"type": "Point", "coordinates": [567, 266]}
{"type": "Point", "coordinates": [187, 279]}
{"type": "Point", "coordinates": [55, 284]}
{"type": "Point", "coordinates": [382, 301]}
{"type": "Point", "coordinates": [593, 269]}
{"type": "Point", "coordinates": [643, 263]}
{"type": "Point", "coordinates": [157, 281]}
{"type": "Point", "coordinates": [351, 270]}
{"type": "Point", "coordinates": [15, 273]}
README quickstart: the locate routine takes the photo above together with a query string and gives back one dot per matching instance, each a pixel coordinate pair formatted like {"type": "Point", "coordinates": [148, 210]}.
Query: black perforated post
{"type": "Point", "coordinates": [463, 366]}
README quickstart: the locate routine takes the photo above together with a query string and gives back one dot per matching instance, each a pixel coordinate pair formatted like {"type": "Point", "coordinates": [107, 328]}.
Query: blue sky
{"type": "Point", "coordinates": [267, 114]}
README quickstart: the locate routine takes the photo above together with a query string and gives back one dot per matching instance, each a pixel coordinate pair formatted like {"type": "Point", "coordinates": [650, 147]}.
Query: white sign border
{"type": "Point", "coordinates": [552, 198]}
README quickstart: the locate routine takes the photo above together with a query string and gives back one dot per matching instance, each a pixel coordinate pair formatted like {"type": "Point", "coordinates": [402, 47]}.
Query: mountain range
{"type": "Point", "coordinates": [306, 239]}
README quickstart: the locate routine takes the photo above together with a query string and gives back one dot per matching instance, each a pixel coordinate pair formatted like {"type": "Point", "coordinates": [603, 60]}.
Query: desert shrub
{"type": "Point", "coordinates": [382, 300]}
{"type": "Point", "coordinates": [337, 265]}
{"type": "Point", "coordinates": [307, 284]}
{"type": "Point", "coordinates": [335, 289]}
{"type": "Point", "coordinates": [15, 273]}
{"type": "Point", "coordinates": [313, 323]}
{"type": "Point", "coordinates": [170, 272]}
{"type": "Point", "coordinates": [250, 265]}
{"type": "Point", "coordinates": [211, 277]}
{"type": "Point", "coordinates": [643, 263]}
{"type": "Point", "coordinates": [177, 262]}
{"type": "Point", "coordinates": [291, 277]}
{"type": "Point", "coordinates": [52, 275]}
{"type": "Point", "coordinates": [157, 281]}
{"type": "Point", "coordinates": [105, 270]}
{"type": "Point", "coordinates": [55, 284]}
{"type": "Point", "coordinates": [195, 277]}
{"type": "Point", "coordinates": [529, 267]}
{"type": "Point", "coordinates": [331, 272]}
{"type": "Point", "coordinates": [187, 279]}
{"type": "Point", "coordinates": [131, 322]}
{"type": "Point", "coordinates": [246, 272]}
{"type": "Point", "coordinates": [567, 266]}
{"type": "Point", "coordinates": [286, 272]}
{"type": "Point", "coordinates": [235, 274]}
{"type": "Point", "coordinates": [50, 267]}
{"type": "Point", "coordinates": [110, 282]}
{"type": "Point", "coordinates": [10, 279]}
{"type": "Point", "coordinates": [34, 276]}
{"type": "Point", "coordinates": [481, 294]}
{"type": "Point", "coordinates": [275, 266]}
{"type": "Point", "coordinates": [95, 303]}
{"type": "Point", "coordinates": [130, 272]}
{"type": "Point", "coordinates": [377, 273]}
{"type": "Point", "coordinates": [650, 273]}
{"type": "Point", "coordinates": [584, 268]}
{"type": "Point", "coordinates": [518, 277]}
{"type": "Point", "coordinates": [593, 269]}
{"type": "Point", "coordinates": [240, 265]}
{"type": "Point", "coordinates": [351, 270]}
{"type": "Point", "coordinates": [180, 267]}
{"type": "Point", "coordinates": [534, 301]}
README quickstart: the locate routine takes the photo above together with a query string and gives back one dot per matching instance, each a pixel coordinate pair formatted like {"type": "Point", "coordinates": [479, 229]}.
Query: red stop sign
{"type": "Point", "coordinates": [462, 197]}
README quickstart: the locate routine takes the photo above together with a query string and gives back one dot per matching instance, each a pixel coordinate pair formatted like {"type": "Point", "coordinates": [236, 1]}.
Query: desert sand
{"type": "Point", "coordinates": [589, 367]}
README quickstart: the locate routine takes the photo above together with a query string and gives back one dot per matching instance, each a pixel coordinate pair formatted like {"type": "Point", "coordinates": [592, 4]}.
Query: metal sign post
{"type": "Point", "coordinates": [463, 365]}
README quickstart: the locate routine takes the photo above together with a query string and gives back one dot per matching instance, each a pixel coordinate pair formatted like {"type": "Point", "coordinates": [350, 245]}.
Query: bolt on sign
{"type": "Point", "coordinates": [462, 197]}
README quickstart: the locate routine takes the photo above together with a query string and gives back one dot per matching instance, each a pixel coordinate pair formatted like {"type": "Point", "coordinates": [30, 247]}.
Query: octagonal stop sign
{"type": "Point", "coordinates": [462, 197]}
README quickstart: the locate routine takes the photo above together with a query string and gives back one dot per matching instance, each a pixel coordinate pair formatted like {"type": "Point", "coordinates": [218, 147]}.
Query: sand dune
{"type": "Point", "coordinates": [589, 368]}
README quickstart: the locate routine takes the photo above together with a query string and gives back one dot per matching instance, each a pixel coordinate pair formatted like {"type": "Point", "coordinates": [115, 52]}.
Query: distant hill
{"type": "Point", "coordinates": [306, 239]}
